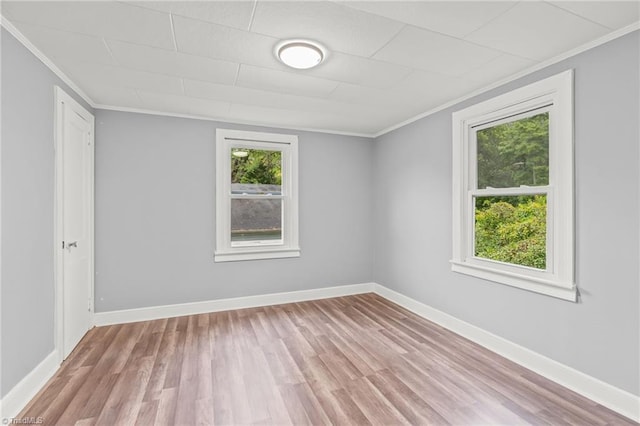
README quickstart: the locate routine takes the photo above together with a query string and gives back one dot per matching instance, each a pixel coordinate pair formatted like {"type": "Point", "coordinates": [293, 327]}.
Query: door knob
{"type": "Point", "coordinates": [73, 244]}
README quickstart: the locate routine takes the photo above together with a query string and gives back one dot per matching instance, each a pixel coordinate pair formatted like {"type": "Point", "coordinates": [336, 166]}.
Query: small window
{"type": "Point", "coordinates": [257, 196]}
{"type": "Point", "coordinates": [513, 188]}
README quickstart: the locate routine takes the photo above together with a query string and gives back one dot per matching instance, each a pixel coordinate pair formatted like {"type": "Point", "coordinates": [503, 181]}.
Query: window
{"type": "Point", "coordinates": [256, 195]}
{"type": "Point", "coordinates": [513, 188]}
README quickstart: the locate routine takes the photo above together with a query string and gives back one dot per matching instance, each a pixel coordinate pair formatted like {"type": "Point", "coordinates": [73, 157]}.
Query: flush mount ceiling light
{"type": "Point", "coordinates": [300, 54]}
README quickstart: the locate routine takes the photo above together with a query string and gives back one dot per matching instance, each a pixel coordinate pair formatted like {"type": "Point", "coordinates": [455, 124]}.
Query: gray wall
{"type": "Point", "coordinates": [598, 336]}
{"type": "Point", "coordinates": [155, 215]}
{"type": "Point", "coordinates": [27, 211]}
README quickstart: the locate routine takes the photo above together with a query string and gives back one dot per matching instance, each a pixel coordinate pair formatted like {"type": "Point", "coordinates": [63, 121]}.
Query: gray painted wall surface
{"type": "Point", "coordinates": [27, 210]}
{"type": "Point", "coordinates": [155, 215]}
{"type": "Point", "coordinates": [600, 335]}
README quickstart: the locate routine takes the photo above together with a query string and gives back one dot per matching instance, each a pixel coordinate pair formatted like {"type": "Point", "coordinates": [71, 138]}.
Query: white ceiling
{"type": "Point", "coordinates": [388, 61]}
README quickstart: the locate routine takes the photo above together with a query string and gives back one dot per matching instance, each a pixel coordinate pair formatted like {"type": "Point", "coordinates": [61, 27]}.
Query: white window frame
{"type": "Point", "coordinates": [226, 251]}
{"type": "Point", "coordinates": [555, 95]}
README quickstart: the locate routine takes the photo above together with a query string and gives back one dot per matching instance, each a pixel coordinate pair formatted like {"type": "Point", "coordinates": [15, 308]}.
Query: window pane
{"type": "Point", "coordinates": [255, 171]}
{"type": "Point", "coordinates": [514, 153]}
{"type": "Point", "coordinates": [253, 220]}
{"type": "Point", "coordinates": [512, 229]}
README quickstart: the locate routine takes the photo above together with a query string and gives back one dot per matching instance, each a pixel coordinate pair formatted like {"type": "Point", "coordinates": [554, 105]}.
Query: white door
{"type": "Point", "coordinates": [75, 206]}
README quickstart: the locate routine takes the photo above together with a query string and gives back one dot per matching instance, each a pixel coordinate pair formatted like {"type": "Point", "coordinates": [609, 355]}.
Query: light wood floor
{"type": "Point", "coordinates": [349, 360]}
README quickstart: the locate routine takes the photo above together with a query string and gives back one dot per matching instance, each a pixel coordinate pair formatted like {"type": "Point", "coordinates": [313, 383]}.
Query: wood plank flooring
{"type": "Point", "coordinates": [355, 360]}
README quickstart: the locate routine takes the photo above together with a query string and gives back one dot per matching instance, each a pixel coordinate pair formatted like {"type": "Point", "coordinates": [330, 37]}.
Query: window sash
{"type": "Point", "coordinates": [470, 229]}
{"type": "Point", "coordinates": [262, 243]}
{"type": "Point", "coordinates": [526, 111]}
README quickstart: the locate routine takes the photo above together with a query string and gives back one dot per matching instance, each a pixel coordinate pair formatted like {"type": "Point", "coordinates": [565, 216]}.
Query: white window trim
{"type": "Point", "coordinates": [225, 140]}
{"type": "Point", "coordinates": [557, 280]}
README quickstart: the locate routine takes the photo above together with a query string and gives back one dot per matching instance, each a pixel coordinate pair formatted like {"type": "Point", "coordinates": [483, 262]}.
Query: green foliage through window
{"type": "Point", "coordinates": [512, 229]}
{"type": "Point", "coordinates": [253, 166]}
{"type": "Point", "coordinates": [514, 153]}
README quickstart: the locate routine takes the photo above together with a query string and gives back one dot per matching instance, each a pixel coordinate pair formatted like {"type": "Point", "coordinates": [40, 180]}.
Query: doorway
{"type": "Point", "coordinates": [74, 221]}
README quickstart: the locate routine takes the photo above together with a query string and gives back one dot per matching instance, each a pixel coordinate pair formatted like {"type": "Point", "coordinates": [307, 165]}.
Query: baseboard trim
{"type": "Point", "coordinates": [168, 311]}
{"type": "Point", "coordinates": [28, 387]}
{"type": "Point", "coordinates": [616, 399]}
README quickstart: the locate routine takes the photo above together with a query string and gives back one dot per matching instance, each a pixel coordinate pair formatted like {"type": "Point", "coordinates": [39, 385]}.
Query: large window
{"type": "Point", "coordinates": [256, 196]}
{"type": "Point", "coordinates": [513, 188]}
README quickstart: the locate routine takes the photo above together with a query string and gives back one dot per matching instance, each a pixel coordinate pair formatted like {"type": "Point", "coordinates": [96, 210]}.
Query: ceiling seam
{"type": "Point", "coordinates": [106, 45]}
{"type": "Point", "coordinates": [235, 80]}
{"type": "Point", "coordinates": [173, 32]}
{"type": "Point", "coordinates": [253, 14]}
{"type": "Point", "coordinates": [463, 39]}
{"type": "Point", "coordinates": [387, 42]}
{"type": "Point", "coordinates": [578, 15]}
{"type": "Point", "coordinates": [137, 93]}
{"type": "Point", "coordinates": [488, 22]}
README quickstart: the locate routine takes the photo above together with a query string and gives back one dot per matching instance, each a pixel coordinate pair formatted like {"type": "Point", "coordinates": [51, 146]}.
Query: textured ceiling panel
{"type": "Point", "coordinates": [303, 119]}
{"type": "Point", "coordinates": [263, 98]}
{"type": "Point", "coordinates": [178, 64]}
{"type": "Point", "coordinates": [357, 70]}
{"type": "Point", "coordinates": [340, 28]}
{"type": "Point", "coordinates": [87, 75]}
{"type": "Point", "coordinates": [65, 47]}
{"type": "Point", "coordinates": [387, 61]}
{"type": "Point", "coordinates": [613, 14]}
{"type": "Point", "coordinates": [183, 104]}
{"type": "Point", "coordinates": [454, 18]}
{"type": "Point", "coordinates": [236, 14]}
{"type": "Point", "coordinates": [284, 82]}
{"type": "Point", "coordinates": [498, 68]}
{"type": "Point", "coordinates": [99, 18]}
{"type": "Point", "coordinates": [429, 51]}
{"type": "Point", "coordinates": [220, 42]}
{"type": "Point", "coordinates": [114, 95]}
{"type": "Point", "coordinates": [537, 30]}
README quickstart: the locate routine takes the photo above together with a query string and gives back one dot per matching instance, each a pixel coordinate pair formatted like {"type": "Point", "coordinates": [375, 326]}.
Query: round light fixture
{"type": "Point", "coordinates": [300, 54]}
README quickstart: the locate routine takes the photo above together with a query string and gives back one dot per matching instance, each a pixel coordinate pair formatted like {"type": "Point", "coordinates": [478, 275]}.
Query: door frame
{"type": "Point", "coordinates": [61, 98]}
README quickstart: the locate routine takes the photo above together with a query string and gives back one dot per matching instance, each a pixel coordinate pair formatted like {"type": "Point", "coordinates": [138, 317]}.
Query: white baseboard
{"type": "Point", "coordinates": [616, 399]}
{"type": "Point", "coordinates": [167, 311]}
{"type": "Point", "coordinates": [27, 388]}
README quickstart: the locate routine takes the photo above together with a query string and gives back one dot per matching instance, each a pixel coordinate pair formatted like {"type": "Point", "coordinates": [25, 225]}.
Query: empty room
{"type": "Point", "coordinates": [320, 212]}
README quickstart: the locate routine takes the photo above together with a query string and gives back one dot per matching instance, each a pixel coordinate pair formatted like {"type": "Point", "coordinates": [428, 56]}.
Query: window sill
{"type": "Point", "coordinates": [256, 253]}
{"type": "Point", "coordinates": [525, 282]}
